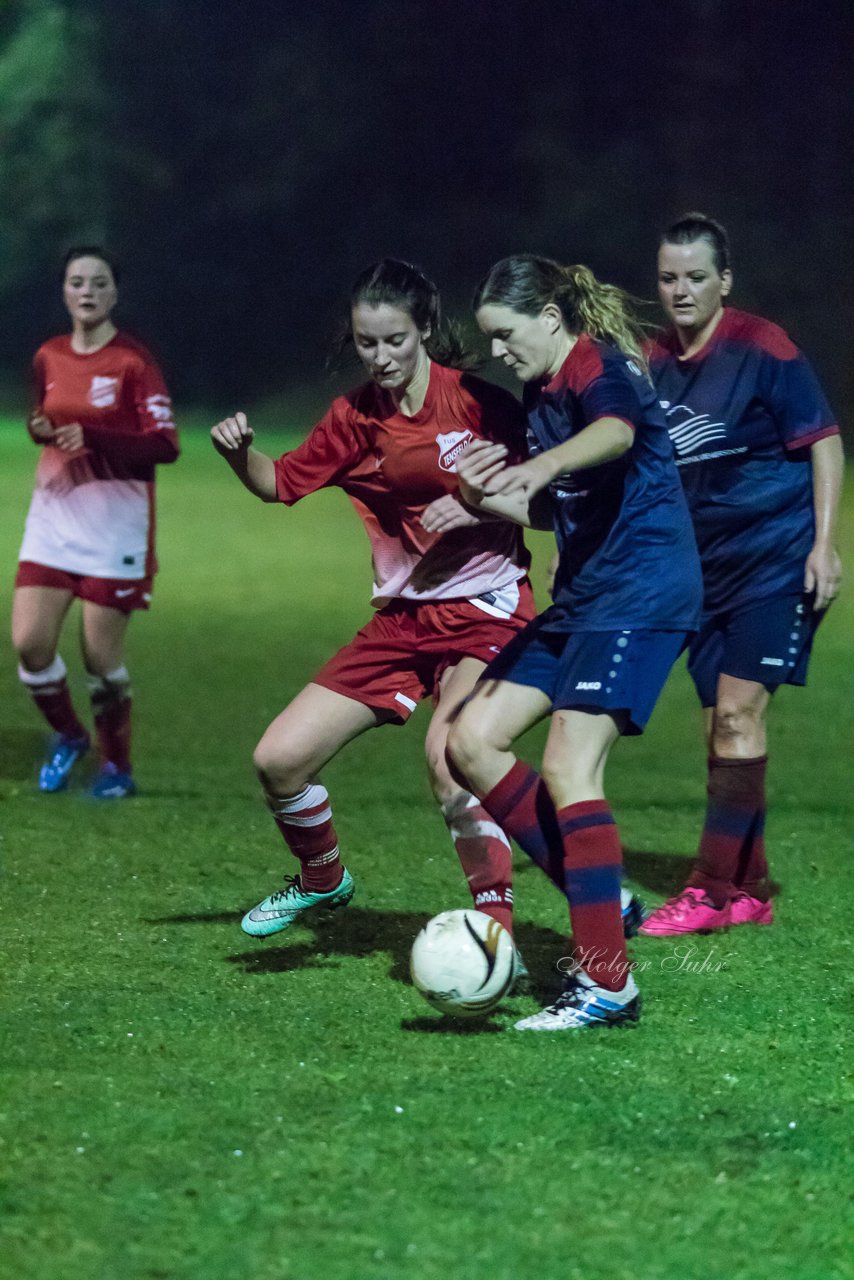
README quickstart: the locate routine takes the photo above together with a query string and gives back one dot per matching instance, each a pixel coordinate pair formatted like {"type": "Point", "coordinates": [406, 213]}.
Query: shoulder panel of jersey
{"type": "Point", "coordinates": [583, 365]}
{"type": "Point", "coordinates": [330, 451]}
{"type": "Point", "coordinates": [754, 331]}
{"type": "Point", "coordinates": [597, 376]}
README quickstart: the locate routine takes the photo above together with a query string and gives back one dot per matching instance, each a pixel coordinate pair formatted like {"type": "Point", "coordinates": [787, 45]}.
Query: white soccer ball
{"type": "Point", "coordinates": [462, 963]}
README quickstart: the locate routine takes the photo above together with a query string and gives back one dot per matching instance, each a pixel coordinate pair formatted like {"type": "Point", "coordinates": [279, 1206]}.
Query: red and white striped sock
{"type": "Point", "coordinates": [485, 856]}
{"type": "Point", "coordinates": [51, 695]}
{"type": "Point", "coordinates": [305, 821]}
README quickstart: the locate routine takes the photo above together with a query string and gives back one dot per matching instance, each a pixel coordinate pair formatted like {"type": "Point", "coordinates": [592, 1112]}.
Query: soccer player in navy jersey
{"type": "Point", "coordinates": [446, 601]}
{"type": "Point", "coordinates": [627, 595]}
{"type": "Point", "coordinates": [761, 461]}
{"type": "Point", "coordinates": [103, 418]}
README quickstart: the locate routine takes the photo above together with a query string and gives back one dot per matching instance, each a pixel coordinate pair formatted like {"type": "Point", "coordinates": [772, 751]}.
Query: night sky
{"type": "Point", "coordinates": [245, 161]}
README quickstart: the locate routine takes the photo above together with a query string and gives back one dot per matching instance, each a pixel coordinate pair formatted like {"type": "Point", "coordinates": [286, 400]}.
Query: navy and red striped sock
{"type": "Point", "coordinates": [593, 863]}
{"type": "Point", "coordinates": [520, 803]}
{"type": "Point", "coordinates": [731, 856]}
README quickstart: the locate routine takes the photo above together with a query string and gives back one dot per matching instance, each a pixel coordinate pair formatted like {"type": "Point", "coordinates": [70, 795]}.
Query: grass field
{"type": "Point", "coordinates": [179, 1103]}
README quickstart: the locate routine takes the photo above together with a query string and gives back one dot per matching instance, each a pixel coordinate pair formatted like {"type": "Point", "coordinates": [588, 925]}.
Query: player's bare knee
{"type": "Point", "coordinates": [735, 725]}
{"type": "Point", "coordinates": [278, 774]}
{"type": "Point", "coordinates": [33, 654]}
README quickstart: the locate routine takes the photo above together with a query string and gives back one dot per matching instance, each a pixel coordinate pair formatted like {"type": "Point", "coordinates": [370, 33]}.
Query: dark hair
{"type": "Point", "coordinates": [91, 251]}
{"type": "Point", "coordinates": [527, 283]}
{"type": "Point", "coordinates": [696, 226]}
{"type": "Point", "coordinates": [394, 283]}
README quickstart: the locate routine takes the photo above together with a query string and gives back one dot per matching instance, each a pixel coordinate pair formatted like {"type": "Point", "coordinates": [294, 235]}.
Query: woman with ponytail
{"type": "Point", "coordinates": [447, 599]}
{"type": "Point", "coordinates": [626, 597]}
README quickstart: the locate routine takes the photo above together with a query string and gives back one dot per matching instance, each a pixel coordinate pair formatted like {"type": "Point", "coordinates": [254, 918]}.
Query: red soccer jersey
{"type": "Point", "coordinates": [93, 511]}
{"type": "Point", "coordinates": [392, 467]}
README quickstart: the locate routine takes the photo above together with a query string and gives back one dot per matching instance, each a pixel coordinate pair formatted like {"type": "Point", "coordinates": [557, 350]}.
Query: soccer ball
{"type": "Point", "coordinates": [462, 962]}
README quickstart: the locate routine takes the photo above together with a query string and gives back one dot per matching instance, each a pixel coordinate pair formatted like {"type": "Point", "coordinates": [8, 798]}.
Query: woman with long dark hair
{"type": "Point", "coordinates": [626, 596]}
{"type": "Point", "coordinates": [446, 602]}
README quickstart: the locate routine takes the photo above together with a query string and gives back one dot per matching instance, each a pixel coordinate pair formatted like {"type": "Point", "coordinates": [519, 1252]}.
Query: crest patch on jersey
{"type": "Point", "coordinates": [102, 392]}
{"type": "Point", "coordinates": [451, 446]}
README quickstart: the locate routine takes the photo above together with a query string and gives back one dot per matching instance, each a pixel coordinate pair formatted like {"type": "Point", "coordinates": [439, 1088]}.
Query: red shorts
{"type": "Point", "coordinates": [401, 655]}
{"type": "Point", "coordinates": [114, 593]}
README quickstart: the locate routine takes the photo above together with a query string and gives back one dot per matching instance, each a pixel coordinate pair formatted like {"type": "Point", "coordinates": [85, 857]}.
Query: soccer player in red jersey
{"type": "Point", "coordinates": [104, 420]}
{"type": "Point", "coordinates": [627, 594]}
{"type": "Point", "coordinates": [761, 461]}
{"type": "Point", "coordinates": [446, 602]}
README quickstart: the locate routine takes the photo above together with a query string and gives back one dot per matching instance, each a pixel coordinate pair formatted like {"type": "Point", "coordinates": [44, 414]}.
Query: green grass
{"type": "Point", "coordinates": [179, 1103]}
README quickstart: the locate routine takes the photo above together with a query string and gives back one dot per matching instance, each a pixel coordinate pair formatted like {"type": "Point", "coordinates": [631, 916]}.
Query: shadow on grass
{"type": "Point", "coordinates": [665, 873]}
{"type": "Point", "coordinates": [207, 917]}
{"type": "Point", "coordinates": [359, 932]}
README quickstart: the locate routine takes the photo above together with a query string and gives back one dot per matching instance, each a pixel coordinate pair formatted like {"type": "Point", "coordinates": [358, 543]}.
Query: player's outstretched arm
{"type": "Point", "coordinates": [232, 438]}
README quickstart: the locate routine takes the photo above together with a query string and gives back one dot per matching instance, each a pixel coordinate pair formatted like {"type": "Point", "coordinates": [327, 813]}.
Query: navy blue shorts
{"type": "Point", "coordinates": [768, 642]}
{"type": "Point", "coordinates": [595, 671]}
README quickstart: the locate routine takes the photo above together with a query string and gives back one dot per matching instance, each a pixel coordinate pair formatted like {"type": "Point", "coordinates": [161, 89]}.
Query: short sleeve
{"type": "Point", "coordinates": [328, 453]}
{"type": "Point", "coordinates": [797, 402]}
{"type": "Point", "coordinates": [610, 395]}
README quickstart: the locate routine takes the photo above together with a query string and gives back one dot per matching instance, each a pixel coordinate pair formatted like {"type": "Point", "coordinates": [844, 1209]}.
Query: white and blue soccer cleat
{"type": "Point", "coordinates": [584, 1004]}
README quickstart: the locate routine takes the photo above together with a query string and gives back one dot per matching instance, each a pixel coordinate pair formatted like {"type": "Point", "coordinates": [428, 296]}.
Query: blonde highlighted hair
{"type": "Point", "coordinates": [526, 283]}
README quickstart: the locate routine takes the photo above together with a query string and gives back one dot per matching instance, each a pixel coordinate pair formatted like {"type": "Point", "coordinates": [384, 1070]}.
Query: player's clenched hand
{"type": "Point", "coordinates": [446, 513]}
{"type": "Point", "coordinates": [232, 434]}
{"type": "Point", "coordinates": [69, 437]}
{"type": "Point", "coordinates": [40, 428]}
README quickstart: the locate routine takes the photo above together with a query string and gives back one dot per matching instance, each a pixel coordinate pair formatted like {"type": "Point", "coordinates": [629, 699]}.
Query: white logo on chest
{"type": "Point", "coordinates": [451, 446]}
{"type": "Point", "coordinates": [690, 431]}
{"type": "Point", "coordinates": [102, 392]}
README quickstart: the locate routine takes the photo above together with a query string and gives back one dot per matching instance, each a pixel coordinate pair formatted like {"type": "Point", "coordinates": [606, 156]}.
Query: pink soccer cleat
{"type": "Point", "coordinates": [689, 912]}
{"type": "Point", "coordinates": [746, 910]}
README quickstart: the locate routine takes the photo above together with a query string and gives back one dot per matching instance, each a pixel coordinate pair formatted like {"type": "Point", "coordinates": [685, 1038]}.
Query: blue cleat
{"type": "Point", "coordinates": [633, 911]}
{"type": "Point", "coordinates": [64, 754]}
{"type": "Point", "coordinates": [111, 784]}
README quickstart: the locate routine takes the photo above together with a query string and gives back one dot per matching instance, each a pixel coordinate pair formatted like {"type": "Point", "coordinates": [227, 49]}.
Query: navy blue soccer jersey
{"type": "Point", "coordinates": [627, 555]}
{"type": "Point", "coordinates": [742, 414]}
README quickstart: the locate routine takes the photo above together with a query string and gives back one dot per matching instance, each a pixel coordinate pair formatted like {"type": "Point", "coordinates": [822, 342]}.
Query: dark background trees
{"type": "Point", "coordinates": [245, 160]}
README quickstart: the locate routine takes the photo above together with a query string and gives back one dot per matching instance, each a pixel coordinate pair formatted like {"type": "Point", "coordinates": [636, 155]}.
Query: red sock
{"type": "Point", "coordinates": [50, 693]}
{"type": "Point", "coordinates": [484, 853]}
{"type": "Point", "coordinates": [593, 860]}
{"type": "Point", "coordinates": [731, 856]}
{"type": "Point", "coordinates": [521, 804]}
{"type": "Point", "coordinates": [111, 704]}
{"type": "Point", "coordinates": [305, 821]}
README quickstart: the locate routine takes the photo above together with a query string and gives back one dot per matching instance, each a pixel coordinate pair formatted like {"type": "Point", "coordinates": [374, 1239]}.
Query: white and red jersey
{"type": "Point", "coordinates": [92, 511]}
{"type": "Point", "coordinates": [392, 467]}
